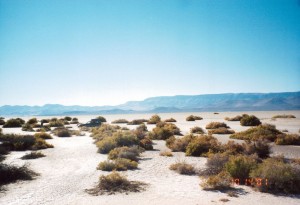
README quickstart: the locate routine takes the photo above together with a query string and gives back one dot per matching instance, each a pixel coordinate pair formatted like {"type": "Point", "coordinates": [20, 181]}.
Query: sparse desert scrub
{"type": "Point", "coordinates": [180, 144]}
{"type": "Point", "coordinates": [201, 145]}
{"type": "Point", "coordinates": [116, 183]}
{"type": "Point", "coordinates": [56, 123]}
{"type": "Point", "coordinates": [264, 132]}
{"type": "Point", "coordinates": [14, 122]}
{"type": "Point", "coordinates": [197, 130]}
{"type": "Point", "coordinates": [170, 120]}
{"type": "Point", "coordinates": [62, 132]}
{"type": "Point", "coordinates": [141, 131]}
{"type": "Point", "coordinates": [236, 118]}
{"type": "Point", "coordinates": [193, 118]}
{"type": "Point", "coordinates": [183, 168]}
{"type": "Point", "coordinates": [216, 125]}
{"type": "Point", "coordinates": [102, 119]}
{"type": "Point", "coordinates": [154, 119]}
{"type": "Point", "coordinates": [288, 139]}
{"type": "Point", "coordinates": [74, 121]}
{"type": "Point", "coordinates": [45, 128]}
{"type": "Point", "coordinates": [131, 153]}
{"type": "Point", "coordinates": [137, 122]}
{"type": "Point", "coordinates": [281, 176]}
{"type": "Point", "coordinates": [106, 145]}
{"type": "Point", "coordinates": [215, 164]}
{"type": "Point", "coordinates": [32, 121]}
{"type": "Point", "coordinates": [221, 130]}
{"type": "Point", "coordinates": [119, 164]}
{"type": "Point", "coordinates": [12, 173]}
{"type": "Point", "coordinates": [67, 118]}
{"type": "Point", "coordinates": [27, 127]}
{"type": "Point", "coordinates": [240, 166]}
{"type": "Point", "coordinates": [166, 153]}
{"type": "Point", "coordinates": [43, 135]}
{"type": "Point", "coordinates": [2, 121]}
{"type": "Point", "coordinates": [221, 181]}
{"type": "Point", "coordinates": [249, 120]}
{"type": "Point", "coordinates": [163, 131]}
{"type": "Point", "coordinates": [119, 121]}
{"type": "Point", "coordinates": [284, 116]}
{"type": "Point", "coordinates": [33, 155]}
{"type": "Point", "coordinates": [41, 144]}
{"type": "Point", "coordinates": [146, 143]}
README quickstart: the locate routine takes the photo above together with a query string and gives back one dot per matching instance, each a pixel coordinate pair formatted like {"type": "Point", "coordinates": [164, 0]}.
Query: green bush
{"type": "Point", "coordinates": [263, 132]}
{"type": "Point", "coordinates": [250, 120]}
{"type": "Point", "coordinates": [221, 181]}
{"type": "Point", "coordinates": [236, 118]}
{"type": "Point", "coordinates": [170, 120]}
{"type": "Point", "coordinates": [284, 116]}
{"type": "Point", "coordinates": [33, 155]}
{"type": "Point", "coordinates": [102, 119]}
{"type": "Point", "coordinates": [197, 130]}
{"type": "Point", "coordinates": [281, 177]}
{"type": "Point", "coordinates": [43, 135]}
{"type": "Point", "coordinates": [221, 130]}
{"type": "Point", "coordinates": [193, 118]}
{"type": "Point", "coordinates": [201, 145]}
{"type": "Point", "coordinates": [288, 139]}
{"type": "Point", "coordinates": [240, 166]}
{"type": "Point", "coordinates": [216, 125]}
{"type": "Point", "coordinates": [120, 121]}
{"type": "Point", "coordinates": [180, 144]}
{"type": "Point", "coordinates": [14, 122]}
{"type": "Point", "coordinates": [154, 119]}
{"type": "Point", "coordinates": [183, 168]}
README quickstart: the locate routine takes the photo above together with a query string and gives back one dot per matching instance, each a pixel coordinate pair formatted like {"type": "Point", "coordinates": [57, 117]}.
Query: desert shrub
{"type": "Point", "coordinates": [193, 118]}
{"type": "Point", "coordinates": [180, 144]}
{"type": "Point", "coordinates": [183, 168]}
{"type": "Point", "coordinates": [141, 131]}
{"type": "Point", "coordinates": [102, 119]}
{"type": "Point", "coordinates": [62, 132]}
{"type": "Point", "coordinates": [146, 143]}
{"type": "Point", "coordinates": [215, 164]}
{"type": "Point", "coordinates": [260, 147]}
{"type": "Point", "coordinates": [137, 122]}
{"type": "Point", "coordinates": [201, 145]}
{"type": "Point", "coordinates": [36, 125]}
{"type": "Point", "coordinates": [33, 155]}
{"type": "Point", "coordinates": [43, 135]}
{"type": "Point", "coordinates": [249, 120]}
{"type": "Point", "coordinates": [125, 139]}
{"type": "Point", "coordinates": [56, 123]}
{"type": "Point", "coordinates": [77, 133]}
{"type": "Point", "coordinates": [197, 130]}
{"type": "Point", "coordinates": [120, 121]}
{"type": "Point", "coordinates": [163, 131]}
{"type": "Point", "coordinates": [239, 166]}
{"type": "Point", "coordinates": [233, 148]}
{"type": "Point", "coordinates": [125, 128]}
{"type": "Point", "coordinates": [114, 183]}
{"type": "Point", "coordinates": [27, 127]}
{"type": "Point", "coordinates": [45, 128]}
{"type": "Point", "coordinates": [2, 122]}
{"type": "Point", "coordinates": [45, 121]}
{"type": "Point", "coordinates": [166, 153]}
{"type": "Point", "coordinates": [105, 130]}
{"type": "Point", "coordinates": [32, 121]}
{"type": "Point", "coordinates": [74, 120]}
{"type": "Point", "coordinates": [106, 145]}
{"type": "Point", "coordinates": [67, 118]}
{"type": "Point", "coordinates": [131, 153]}
{"type": "Point", "coordinates": [264, 132]}
{"type": "Point", "coordinates": [41, 144]}
{"type": "Point", "coordinates": [282, 177]}
{"type": "Point", "coordinates": [154, 119]}
{"type": "Point", "coordinates": [221, 181]}
{"type": "Point", "coordinates": [170, 120]}
{"type": "Point", "coordinates": [12, 173]}
{"type": "Point", "coordinates": [284, 116]}
{"type": "Point", "coordinates": [236, 118]}
{"type": "Point", "coordinates": [221, 130]}
{"type": "Point", "coordinates": [120, 164]}
{"type": "Point", "coordinates": [14, 122]}
{"type": "Point", "coordinates": [288, 139]}
{"type": "Point", "coordinates": [216, 125]}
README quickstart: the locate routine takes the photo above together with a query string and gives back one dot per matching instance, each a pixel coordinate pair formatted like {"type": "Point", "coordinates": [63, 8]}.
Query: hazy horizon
{"type": "Point", "coordinates": [97, 52]}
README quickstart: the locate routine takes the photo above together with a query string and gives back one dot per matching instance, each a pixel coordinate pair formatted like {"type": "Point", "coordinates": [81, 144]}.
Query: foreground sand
{"type": "Point", "coordinates": [70, 168]}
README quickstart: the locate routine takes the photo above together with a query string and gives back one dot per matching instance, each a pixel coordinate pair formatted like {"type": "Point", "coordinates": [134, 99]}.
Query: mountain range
{"type": "Point", "coordinates": [178, 103]}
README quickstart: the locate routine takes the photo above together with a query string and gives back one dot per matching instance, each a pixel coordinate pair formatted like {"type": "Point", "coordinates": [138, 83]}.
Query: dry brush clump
{"type": "Point", "coordinates": [179, 144]}
{"type": "Point", "coordinates": [183, 168]}
{"type": "Point", "coordinates": [193, 118]}
{"type": "Point", "coordinates": [249, 120]}
{"type": "Point", "coordinates": [202, 145]}
{"type": "Point", "coordinates": [33, 155]}
{"type": "Point", "coordinates": [288, 139]}
{"type": "Point", "coordinates": [236, 118]}
{"type": "Point", "coordinates": [120, 121]}
{"type": "Point", "coordinates": [119, 164]}
{"type": "Point", "coordinates": [101, 118]}
{"type": "Point", "coordinates": [14, 122]}
{"type": "Point", "coordinates": [197, 130]}
{"type": "Point", "coordinates": [154, 119]}
{"type": "Point", "coordinates": [283, 116]}
{"type": "Point", "coordinates": [216, 125]}
{"type": "Point", "coordinates": [131, 153]}
{"type": "Point", "coordinates": [43, 135]}
{"type": "Point", "coordinates": [220, 130]}
{"type": "Point", "coordinates": [163, 131]}
{"type": "Point", "coordinates": [170, 120]}
{"type": "Point", "coordinates": [137, 122]}
{"type": "Point", "coordinates": [116, 183]}
{"type": "Point", "coordinates": [166, 153]}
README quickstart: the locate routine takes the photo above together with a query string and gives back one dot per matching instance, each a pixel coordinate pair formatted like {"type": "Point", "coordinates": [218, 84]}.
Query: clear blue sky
{"type": "Point", "coordinates": [108, 52]}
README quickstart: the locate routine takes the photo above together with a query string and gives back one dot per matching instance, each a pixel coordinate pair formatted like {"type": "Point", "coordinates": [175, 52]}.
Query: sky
{"type": "Point", "coordinates": [107, 52]}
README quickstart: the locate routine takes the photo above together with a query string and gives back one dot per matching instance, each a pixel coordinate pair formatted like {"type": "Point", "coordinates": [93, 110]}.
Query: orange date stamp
{"type": "Point", "coordinates": [250, 181]}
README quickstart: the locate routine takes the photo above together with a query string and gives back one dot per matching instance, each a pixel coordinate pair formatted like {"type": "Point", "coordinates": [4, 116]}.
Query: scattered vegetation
{"type": "Point", "coordinates": [249, 120]}
{"type": "Point", "coordinates": [221, 181]}
{"type": "Point", "coordinates": [170, 120]}
{"type": "Point", "coordinates": [131, 153]}
{"type": "Point", "coordinates": [180, 144]}
{"type": "Point", "coordinates": [54, 122]}
{"type": "Point", "coordinates": [119, 164]}
{"type": "Point", "coordinates": [67, 118]}
{"type": "Point", "coordinates": [221, 130]}
{"type": "Point", "coordinates": [43, 135]}
{"type": "Point", "coordinates": [102, 119]}
{"type": "Point", "coordinates": [62, 132]}
{"type": "Point", "coordinates": [283, 116]}
{"type": "Point", "coordinates": [183, 168]}
{"type": "Point", "coordinates": [166, 153]}
{"type": "Point", "coordinates": [201, 145]}
{"type": "Point", "coordinates": [137, 122]}
{"type": "Point", "coordinates": [163, 131]}
{"type": "Point", "coordinates": [288, 139]}
{"type": "Point", "coordinates": [33, 155]}
{"type": "Point", "coordinates": [119, 121]}
{"type": "Point", "coordinates": [32, 121]}
{"type": "Point", "coordinates": [193, 118]}
{"type": "Point", "coordinates": [236, 118]}
{"type": "Point", "coordinates": [27, 127]}
{"type": "Point", "coordinates": [197, 130]}
{"type": "Point", "coordinates": [116, 183]}
{"type": "Point", "coordinates": [216, 125]}
{"type": "Point", "coordinates": [154, 119]}
{"type": "Point", "coordinates": [14, 122]}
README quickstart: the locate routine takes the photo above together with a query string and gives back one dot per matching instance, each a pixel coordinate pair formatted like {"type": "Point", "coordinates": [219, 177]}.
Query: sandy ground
{"type": "Point", "coordinates": [70, 168]}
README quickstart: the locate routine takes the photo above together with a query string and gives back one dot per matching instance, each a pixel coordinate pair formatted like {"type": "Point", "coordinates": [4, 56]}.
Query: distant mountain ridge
{"type": "Point", "coordinates": [179, 103]}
